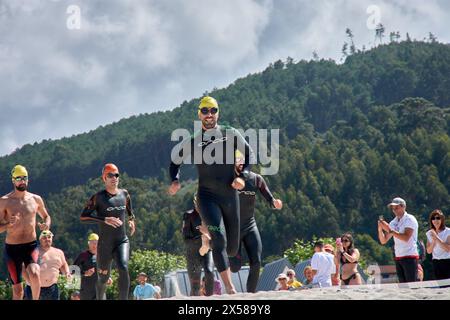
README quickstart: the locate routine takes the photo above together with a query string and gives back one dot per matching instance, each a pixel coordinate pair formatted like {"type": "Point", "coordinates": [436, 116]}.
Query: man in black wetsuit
{"type": "Point", "coordinates": [111, 205]}
{"type": "Point", "coordinates": [195, 262]}
{"type": "Point", "coordinates": [217, 182]}
{"type": "Point", "coordinates": [250, 237]}
{"type": "Point", "coordinates": [87, 262]}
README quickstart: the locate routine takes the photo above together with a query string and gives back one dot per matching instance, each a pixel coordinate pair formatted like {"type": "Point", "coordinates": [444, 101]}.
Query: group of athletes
{"type": "Point", "coordinates": [222, 217]}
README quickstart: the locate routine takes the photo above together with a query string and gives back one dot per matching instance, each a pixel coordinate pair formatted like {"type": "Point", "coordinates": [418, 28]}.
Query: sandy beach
{"type": "Point", "coordinates": [375, 292]}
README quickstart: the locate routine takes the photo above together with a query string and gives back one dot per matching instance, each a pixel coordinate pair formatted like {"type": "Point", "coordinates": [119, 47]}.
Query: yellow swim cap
{"type": "Point", "coordinates": [238, 155]}
{"type": "Point", "coordinates": [19, 171]}
{"type": "Point", "coordinates": [93, 236]}
{"type": "Point", "coordinates": [46, 233]}
{"type": "Point", "coordinates": [208, 102]}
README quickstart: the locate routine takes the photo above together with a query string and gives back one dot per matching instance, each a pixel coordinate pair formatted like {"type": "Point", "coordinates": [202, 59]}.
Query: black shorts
{"type": "Point", "coordinates": [18, 254]}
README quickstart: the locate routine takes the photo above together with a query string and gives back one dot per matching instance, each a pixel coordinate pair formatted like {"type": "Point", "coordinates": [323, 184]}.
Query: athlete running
{"type": "Point", "coordinates": [196, 260]}
{"type": "Point", "coordinates": [250, 236]}
{"type": "Point", "coordinates": [111, 205]}
{"type": "Point", "coordinates": [87, 262]}
{"type": "Point", "coordinates": [217, 182]}
{"type": "Point", "coordinates": [18, 211]}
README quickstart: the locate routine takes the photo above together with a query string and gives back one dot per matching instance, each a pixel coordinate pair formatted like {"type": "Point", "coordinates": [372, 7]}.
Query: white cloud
{"type": "Point", "coordinates": [133, 57]}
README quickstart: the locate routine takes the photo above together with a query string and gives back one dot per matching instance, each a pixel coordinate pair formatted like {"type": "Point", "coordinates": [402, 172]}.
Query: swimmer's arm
{"type": "Point", "coordinates": [87, 214]}
{"type": "Point", "coordinates": [179, 153]}
{"type": "Point", "coordinates": [3, 223]}
{"type": "Point", "coordinates": [42, 211]}
{"type": "Point", "coordinates": [264, 189]}
{"type": "Point", "coordinates": [129, 206]}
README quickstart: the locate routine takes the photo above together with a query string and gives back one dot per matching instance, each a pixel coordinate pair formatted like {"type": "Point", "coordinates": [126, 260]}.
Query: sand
{"type": "Point", "coordinates": [363, 292]}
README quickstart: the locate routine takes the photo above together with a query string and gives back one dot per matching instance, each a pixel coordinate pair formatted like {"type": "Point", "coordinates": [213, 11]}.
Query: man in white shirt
{"type": "Point", "coordinates": [323, 266]}
{"type": "Point", "coordinates": [403, 229]}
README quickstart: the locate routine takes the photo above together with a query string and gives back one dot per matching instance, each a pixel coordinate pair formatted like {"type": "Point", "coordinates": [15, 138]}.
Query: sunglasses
{"type": "Point", "coordinates": [17, 179]}
{"type": "Point", "coordinates": [436, 218]}
{"type": "Point", "coordinates": [345, 240]}
{"type": "Point", "coordinates": [206, 110]}
{"type": "Point", "coordinates": [112, 175]}
{"type": "Point", "coordinates": [290, 274]}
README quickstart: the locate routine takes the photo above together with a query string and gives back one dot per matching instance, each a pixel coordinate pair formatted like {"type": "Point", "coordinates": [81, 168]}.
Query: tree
{"type": "Point", "coordinates": [352, 44]}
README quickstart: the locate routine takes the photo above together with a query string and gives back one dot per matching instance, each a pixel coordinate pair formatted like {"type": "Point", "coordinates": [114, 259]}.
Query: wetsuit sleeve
{"type": "Point", "coordinates": [183, 150]}
{"type": "Point", "coordinates": [87, 214]}
{"type": "Point", "coordinates": [264, 189]}
{"type": "Point", "coordinates": [248, 152]}
{"type": "Point", "coordinates": [129, 206]}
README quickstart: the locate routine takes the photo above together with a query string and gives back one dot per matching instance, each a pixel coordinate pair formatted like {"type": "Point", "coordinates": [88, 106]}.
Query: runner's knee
{"type": "Point", "coordinates": [18, 289]}
{"type": "Point", "coordinates": [33, 270]}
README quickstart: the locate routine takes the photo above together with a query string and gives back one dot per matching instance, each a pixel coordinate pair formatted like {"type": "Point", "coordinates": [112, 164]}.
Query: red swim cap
{"type": "Point", "coordinates": [109, 167]}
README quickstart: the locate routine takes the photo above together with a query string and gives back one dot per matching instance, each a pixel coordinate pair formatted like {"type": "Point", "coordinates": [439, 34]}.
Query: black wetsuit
{"type": "Point", "coordinates": [218, 201]}
{"type": "Point", "coordinates": [195, 262]}
{"type": "Point", "coordinates": [87, 260]}
{"type": "Point", "coordinates": [250, 236]}
{"type": "Point", "coordinates": [113, 242]}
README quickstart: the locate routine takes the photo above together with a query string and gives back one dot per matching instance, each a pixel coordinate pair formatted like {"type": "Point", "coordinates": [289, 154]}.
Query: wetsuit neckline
{"type": "Point", "coordinates": [112, 194]}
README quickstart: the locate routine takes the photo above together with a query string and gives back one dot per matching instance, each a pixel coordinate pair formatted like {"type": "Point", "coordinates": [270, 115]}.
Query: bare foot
{"type": "Point", "coordinates": [231, 290]}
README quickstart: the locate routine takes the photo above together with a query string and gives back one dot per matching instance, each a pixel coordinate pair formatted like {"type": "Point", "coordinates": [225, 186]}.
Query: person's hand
{"type": "Point", "coordinates": [385, 226]}
{"type": "Point", "coordinates": [204, 230]}
{"type": "Point", "coordinates": [238, 184]}
{"type": "Point", "coordinates": [132, 226]}
{"type": "Point", "coordinates": [43, 226]}
{"type": "Point", "coordinates": [433, 234]}
{"type": "Point", "coordinates": [69, 277]}
{"type": "Point", "coordinates": [174, 187]}
{"type": "Point", "coordinates": [379, 226]}
{"type": "Point", "coordinates": [14, 219]}
{"type": "Point", "coordinates": [109, 282]}
{"type": "Point", "coordinates": [278, 204]}
{"type": "Point", "coordinates": [113, 222]}
{"type": "Point", "coordinates": [340, 247]}
{"type": "Point", "coordinates": [89, 272]}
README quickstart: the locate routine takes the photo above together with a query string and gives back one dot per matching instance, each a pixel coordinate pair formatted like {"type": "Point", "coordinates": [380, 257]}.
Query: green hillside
{"type": "Point", "coordinates": [353, 136]}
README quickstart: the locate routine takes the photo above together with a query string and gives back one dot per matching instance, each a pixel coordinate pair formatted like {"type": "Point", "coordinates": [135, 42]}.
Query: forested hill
{"type": "Point", "coordinates": [353, 135]}
{"type": "Point", "coordinates": [287, 95]}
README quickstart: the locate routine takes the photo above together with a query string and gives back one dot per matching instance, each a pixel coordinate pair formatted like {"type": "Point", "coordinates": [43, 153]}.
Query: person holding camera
{"type": "Point", "coordinates": [404, 229]}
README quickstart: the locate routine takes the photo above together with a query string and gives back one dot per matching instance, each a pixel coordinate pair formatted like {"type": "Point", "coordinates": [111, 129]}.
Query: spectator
{"type": "Point", "coordinates": [348, 257]}
{"type": "Point", "coordinates": [52, 262]}
{"type": "Point", "coordinates": [282, 280]}
{"type": "Point", "coordinates": [438, 244]}
{"type": "Point", "coordinates": [145, 290]}
{"type": "Point", "coordinates": [404, 229]}
{"type": "Point", "coordinates": [335, 281]}
{"type": "Point", "coordinates": [308, 273]}
{"type": "Point", "coordinates": [293, 282]}
{"type": "Point", "coordinates": [323, 266]}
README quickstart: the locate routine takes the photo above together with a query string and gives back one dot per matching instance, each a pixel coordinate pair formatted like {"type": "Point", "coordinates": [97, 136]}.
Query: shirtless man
{"type": "Point", "coordinates": [18, 211]}
{"type": "Point", "coordinates": [52, 262]}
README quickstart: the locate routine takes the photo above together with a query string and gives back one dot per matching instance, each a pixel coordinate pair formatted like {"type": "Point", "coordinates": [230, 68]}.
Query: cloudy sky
{"type": "Point", "coordinates": [68, 66]}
